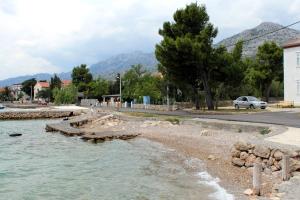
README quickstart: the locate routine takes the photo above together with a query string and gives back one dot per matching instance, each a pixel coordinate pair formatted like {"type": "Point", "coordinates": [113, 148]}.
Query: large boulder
{"type": "Point", "coordinates": [238, 162]}
{"type": "Point", "coordinates": [262, 151]}
{"type": "Point", "coordinates": [242, 146]}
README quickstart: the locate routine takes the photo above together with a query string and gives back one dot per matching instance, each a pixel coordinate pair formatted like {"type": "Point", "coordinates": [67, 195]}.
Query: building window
{"type": "Point", "coordinates": [298, 87]}
{"type": "Point", "coordinates": [298, 59]}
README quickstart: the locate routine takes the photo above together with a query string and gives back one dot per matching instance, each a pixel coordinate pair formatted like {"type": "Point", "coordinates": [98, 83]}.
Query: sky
{"type": "Point", "coordinates": [47, 36]}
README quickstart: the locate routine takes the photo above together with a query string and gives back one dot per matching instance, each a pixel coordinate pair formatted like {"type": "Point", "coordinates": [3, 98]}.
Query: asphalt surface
{"type": "Point", "coordinates": [286, 118]}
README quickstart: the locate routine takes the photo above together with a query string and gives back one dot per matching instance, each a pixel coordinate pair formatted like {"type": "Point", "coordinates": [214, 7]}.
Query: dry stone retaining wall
{"type": "Point", "coordinates": [246, 154]}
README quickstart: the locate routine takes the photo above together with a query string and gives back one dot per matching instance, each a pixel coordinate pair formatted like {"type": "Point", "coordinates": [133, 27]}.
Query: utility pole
{"type": "Point", "coordinates": [168, 99]}
{"type": "Point", "coordinates": [120, 79]}
{"type": "Point", "coordinates": [31, 93]}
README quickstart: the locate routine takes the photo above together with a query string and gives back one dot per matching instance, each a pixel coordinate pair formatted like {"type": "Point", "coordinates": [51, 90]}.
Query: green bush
{"type": "Point", "coordinates": [66, 95]}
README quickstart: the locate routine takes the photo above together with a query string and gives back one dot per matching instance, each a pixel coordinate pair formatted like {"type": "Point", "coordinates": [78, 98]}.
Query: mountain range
{"type": "Point", "coordinates": [250, 47]}
{"type": "Point", "coordinates": [122, 62]}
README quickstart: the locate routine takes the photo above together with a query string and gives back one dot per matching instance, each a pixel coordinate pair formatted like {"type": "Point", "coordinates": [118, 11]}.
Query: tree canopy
{"type": "Point", "coordinates": [186, 53]}
{"type": "Point", "coordinates": [27, 86]}
{"type": "Point", "coordinates": [268, 67]}
{"type": "Point", "coordinates": [138, 82]}
{"type": "Point", "coordinates": [81, 77]}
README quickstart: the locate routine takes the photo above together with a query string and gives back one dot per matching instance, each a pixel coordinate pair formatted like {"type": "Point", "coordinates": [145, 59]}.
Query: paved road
{"type": "Point", "coordinates": [286, 118]}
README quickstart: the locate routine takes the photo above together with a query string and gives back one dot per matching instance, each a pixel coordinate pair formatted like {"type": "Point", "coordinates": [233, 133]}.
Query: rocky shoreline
{"type": "Point", "coordinates": [216, 143]}
{"type": "Point", "coordinates": [41, 114]}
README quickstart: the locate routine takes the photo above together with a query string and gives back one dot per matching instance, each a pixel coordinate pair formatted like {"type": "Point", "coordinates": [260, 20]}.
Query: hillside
{"type": "Point", "coordinates": [250, 48]}
{"type": "Point", "coordinates": [123, 62]}
{"type": "Point", "coordinates": [106, 68]}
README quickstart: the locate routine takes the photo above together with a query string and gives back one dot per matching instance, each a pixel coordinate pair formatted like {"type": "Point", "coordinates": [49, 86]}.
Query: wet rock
{"type": "Point", "coordinates": [238, 162]}
{"type": "Point", "coordinates": [262, 151]}
{"type": "Point", "coordinates": [244, 155]}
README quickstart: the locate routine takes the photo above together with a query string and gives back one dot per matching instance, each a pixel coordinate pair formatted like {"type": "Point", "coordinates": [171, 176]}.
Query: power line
{"type": "Point", "coordinates": [270, 32]}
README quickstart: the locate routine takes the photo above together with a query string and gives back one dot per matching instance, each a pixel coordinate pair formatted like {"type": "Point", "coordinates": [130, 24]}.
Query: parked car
{"type": "Point", "coordinates": [249, 102]}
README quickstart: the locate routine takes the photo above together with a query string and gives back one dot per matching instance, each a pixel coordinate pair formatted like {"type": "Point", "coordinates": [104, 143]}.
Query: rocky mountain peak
{"type": "Point", "coordinates": [250, 48]}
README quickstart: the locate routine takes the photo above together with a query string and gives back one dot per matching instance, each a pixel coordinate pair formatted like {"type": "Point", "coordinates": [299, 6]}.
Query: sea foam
{"type": "Point", "coordinates": [220, 193]}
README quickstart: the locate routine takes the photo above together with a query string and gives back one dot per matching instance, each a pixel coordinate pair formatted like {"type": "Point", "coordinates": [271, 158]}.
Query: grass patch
{"type": "Point", "coordinates": [139, 114]}
{"type": "Point", "coordinates": [173, 120]}
{"type": "Point", "coordinates": [264, 131]}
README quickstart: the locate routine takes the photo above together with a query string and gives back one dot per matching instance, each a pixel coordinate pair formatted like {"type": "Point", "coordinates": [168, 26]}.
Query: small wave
{"type": "Point", "coordinates": [220, 193]}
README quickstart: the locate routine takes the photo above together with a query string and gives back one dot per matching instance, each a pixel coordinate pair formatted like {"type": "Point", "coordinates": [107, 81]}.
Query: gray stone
{"type": "Point", "coordinates": [262, 151]}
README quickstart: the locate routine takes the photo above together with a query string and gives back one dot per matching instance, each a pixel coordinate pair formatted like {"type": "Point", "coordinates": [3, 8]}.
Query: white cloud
{"type": "Point", "coordinates": [55, 35]}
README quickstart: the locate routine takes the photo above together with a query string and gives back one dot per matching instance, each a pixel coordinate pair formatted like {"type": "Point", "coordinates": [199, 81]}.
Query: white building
{"type": "Point", "coordinates": [40, 85]}
{"type": "Point", "coordinates": [292, 71]}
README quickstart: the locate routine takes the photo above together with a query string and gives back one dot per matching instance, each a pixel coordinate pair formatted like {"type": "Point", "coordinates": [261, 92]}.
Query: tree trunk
{"type": "Point", "coordinates": [267, 91]}
{"type": "Point", "coordinates": [197, 98]}
{"type": "Point", "coordinates": [208, 95]}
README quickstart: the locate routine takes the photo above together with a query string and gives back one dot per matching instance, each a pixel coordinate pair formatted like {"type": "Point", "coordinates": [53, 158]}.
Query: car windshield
{"type": "Point", "coordinates": [252, 99]}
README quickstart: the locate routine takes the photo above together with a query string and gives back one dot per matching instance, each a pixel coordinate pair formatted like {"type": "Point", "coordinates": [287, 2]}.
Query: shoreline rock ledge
{"type": "Point", "coordinates": [72, 128]}
{"type": "Point", "coordinates": [45, 114]}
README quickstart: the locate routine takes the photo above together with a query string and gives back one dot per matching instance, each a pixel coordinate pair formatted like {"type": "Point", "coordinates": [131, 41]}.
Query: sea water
{"type": "Point", "coordinates": [40, 165]}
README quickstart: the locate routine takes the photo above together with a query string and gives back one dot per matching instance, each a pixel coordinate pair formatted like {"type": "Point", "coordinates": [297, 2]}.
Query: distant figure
{"type": "Point", "coordinates": [71, 114]}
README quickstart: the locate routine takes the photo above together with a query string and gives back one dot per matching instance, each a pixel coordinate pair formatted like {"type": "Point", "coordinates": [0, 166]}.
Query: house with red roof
{"type": "Point", "coordinates": [40, 85]}
{"type": "Point", "coordinates": [65, 83]}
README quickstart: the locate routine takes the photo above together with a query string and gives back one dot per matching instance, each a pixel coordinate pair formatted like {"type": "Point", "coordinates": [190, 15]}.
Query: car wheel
{"type": "Point", "coordinates": [251, 106]}
{"type": "Point", "coordinates": [236, 106]}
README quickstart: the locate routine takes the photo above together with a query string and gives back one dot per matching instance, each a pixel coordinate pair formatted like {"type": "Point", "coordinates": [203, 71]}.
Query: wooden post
{"type": "Point", "coordinates": [257, 179]}
{"type": "Point", "coordinates": [285, 168]}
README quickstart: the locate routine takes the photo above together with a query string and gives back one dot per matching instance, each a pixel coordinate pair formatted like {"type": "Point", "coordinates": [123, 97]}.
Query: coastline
{"type": "Point", "coordinates": [193, 140]}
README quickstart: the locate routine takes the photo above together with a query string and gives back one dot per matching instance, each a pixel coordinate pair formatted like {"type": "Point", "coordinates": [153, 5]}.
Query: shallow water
{"type": "Point", "coordinates": [41, 165]}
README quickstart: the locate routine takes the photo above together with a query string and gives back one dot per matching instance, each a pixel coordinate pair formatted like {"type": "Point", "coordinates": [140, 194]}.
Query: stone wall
{"type": "Point", "coordinates": [155, 107]}
{"type": "Point", "coordinates": [245, 155]}
{"type": "Point", "coordinates": [89, 102]}
{"type": "Point", "coordinates": [35, 115]}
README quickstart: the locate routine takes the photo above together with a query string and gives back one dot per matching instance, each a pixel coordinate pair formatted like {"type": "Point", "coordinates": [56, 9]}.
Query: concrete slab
{"type": "Point", "coordinates": [289, 137]}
